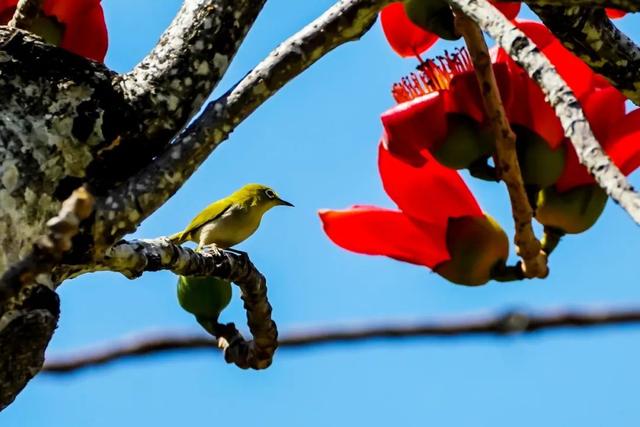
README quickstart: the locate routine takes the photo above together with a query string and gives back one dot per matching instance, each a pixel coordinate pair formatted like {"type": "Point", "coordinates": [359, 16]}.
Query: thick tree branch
{"type": "Point", "coordinates": [125, 207]}
{"type": "Point", "coordinates": [506, 324]}
{"type": "Point", "coordinates": [561, 98]}
{"type": "Point", "coordinates": [135, 257]}
{"type": "Point", "coordinates": [193, 54]}
{"type": "Point", "coordinates": [628, 5]}
{"type": "Point", "coordinates": [589, 34]}
{"type": "Point", "coordinates": [534, 261]}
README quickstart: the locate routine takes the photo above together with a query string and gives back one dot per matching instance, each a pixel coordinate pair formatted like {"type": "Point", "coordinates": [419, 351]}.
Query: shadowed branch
{"type": "Point", "coordinates": [502, 325]}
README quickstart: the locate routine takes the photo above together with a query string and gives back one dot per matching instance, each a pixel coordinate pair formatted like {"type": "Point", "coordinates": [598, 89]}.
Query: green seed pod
{"type": "Point", "coordinates": [465, 143]}
{"type": "Point", "coordinates": [48, 28]}
{"type": "Point", "coordinates": [476, 245]}
{"type": "Point", "coordinates": [540, 165]}
{"type": "Point", "coordinates": [434, 16]}
{"type": "Point", "coordinates": [205, 297]}
{"type": "Point", "coordinates": [572, 211]}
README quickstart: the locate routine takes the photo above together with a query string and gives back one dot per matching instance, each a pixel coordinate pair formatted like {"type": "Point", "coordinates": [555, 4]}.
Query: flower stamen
{"type": "Point", "coordinates": [433, 75]}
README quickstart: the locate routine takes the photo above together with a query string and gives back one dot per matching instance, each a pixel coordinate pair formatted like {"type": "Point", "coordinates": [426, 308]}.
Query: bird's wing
{"type": "Point", "coordinates": [212, 212]}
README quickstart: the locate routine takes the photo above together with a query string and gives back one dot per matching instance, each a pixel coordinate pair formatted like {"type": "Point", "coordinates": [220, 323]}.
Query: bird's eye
{"type": "Point", "coordinates": [270, 194]}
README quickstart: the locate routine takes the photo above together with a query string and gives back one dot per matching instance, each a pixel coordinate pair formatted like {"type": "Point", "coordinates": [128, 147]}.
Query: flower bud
{"type": "Point", "coordinates": [465, 143]}
{"type": "Point", "coordinates": [540, 164]}
{"type": "Point", "coordinates": [572, 211]}
{"type": "Point", "coordinates": [476, 245]}
{"type": "Point", "coordinates": [434, 16]}
{"type": "Point", "coordinates": [203, 296]}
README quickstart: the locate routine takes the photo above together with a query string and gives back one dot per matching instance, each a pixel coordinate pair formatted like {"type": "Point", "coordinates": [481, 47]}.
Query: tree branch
{"type": "Point", "coordinates": [135, 257]}
{"type": "Point", "coordinates": [567, 108]}
{"type": "Point", "coordinates": [193, 54]}
{"type": "Point", "coordinates": [509, 323]}
{"type": "Point", "coordinates": [534, 262]}
{"type": "Point", "coordinates": [628, 5]}
{"type": "Point", "coordinates": [26, 12]}
{"type": "Point", "coordinates": [125, 207]}
{"type": "Point", "coordinates": [589, 34]}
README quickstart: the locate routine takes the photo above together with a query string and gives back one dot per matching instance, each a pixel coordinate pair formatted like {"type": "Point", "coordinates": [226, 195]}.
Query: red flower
{"type": "Point", "coordinates": [81, 21]}
{"type": "Point", "coordinates": [408, 39]}
{"type": "Point", "coordinates": [615, 13]}
{"type": "Point", "coordinates": [429, 99]}
{"type": "Point", "coordinates": [438, 225]}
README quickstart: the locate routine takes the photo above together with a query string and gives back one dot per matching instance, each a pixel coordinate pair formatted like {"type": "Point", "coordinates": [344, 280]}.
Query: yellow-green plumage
{"type": "Point", "coordinates": [231, 220]}
{"type": "Point", "coordinates": [223, 223]}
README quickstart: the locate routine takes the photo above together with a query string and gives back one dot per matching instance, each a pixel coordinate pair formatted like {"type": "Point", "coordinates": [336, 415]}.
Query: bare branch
{"type": "Point", "coordinates": [135, 257]}
{"type": "Point", "coordinates": [126, 206]}
{"type": "Point", "coordinates": [628, 5]}
{"type": "Point", "coordinates": [559, 95]}
{"type": "Point", "coordinates": [527, 245]}
{"type": "Point", "coordinates": [193, 54]}
{"type": "Point", "coordinates": [26, 12]}
{"type": "Point", "coordinates": [507, 324]}
{"type": "Point", "coordinates": [590, 34]}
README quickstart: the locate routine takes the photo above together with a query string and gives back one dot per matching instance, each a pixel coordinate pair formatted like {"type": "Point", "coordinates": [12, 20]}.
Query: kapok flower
{"type": "Point", "coordinates": [440, 110]}
{"type": "Point", "coordinates": [411, 34]}
{"type": "Point", "coordinates": [576, 202]}
{"type": "Point", "coordinates": [438, 225]}
{"type": "Point", "coordinates": [75, 25]}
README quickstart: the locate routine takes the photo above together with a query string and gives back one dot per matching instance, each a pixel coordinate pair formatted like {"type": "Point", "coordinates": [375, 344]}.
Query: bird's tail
{"type": "Point", "coordinates": [178, 238]}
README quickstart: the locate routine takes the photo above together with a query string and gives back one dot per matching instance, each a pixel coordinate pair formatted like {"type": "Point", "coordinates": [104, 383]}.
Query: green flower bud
{"type": "Point", "coordinates": [540, 165]}
{"type": "Point", "coordinates": [205, 297]}
{"type": "Point", "coordinates": [434, 16]}
{"type": "Point", "coordinates": [466, 142]}
{"type": "Point", "coordinates": [572, 211]}
{"type": "Point", "coordinates": [476, 245]}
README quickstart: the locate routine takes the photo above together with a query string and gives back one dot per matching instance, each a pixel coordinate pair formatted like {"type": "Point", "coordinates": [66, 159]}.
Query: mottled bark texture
{"type": "Point", "coordinates": [560, 97]}
{"type": "Point", "coordinates": [588, 33]}
{"type": "Point", "coordinates": [628, 5]}
{"type": "Point", "coordinates": [67, 122]}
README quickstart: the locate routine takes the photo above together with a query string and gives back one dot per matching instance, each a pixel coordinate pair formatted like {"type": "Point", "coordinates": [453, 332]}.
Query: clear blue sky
{"type": "Point", "coordinates": [315, 142]}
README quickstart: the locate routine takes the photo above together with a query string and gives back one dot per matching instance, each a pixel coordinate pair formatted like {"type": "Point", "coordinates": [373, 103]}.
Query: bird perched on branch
{"type": "Point", "coordinates": [221, 225]}
{"type": "Point", "coordinates": [231, 220]}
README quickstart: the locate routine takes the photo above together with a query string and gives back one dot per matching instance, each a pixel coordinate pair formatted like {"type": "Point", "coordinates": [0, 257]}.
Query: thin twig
{"type": "Point", "coordinates": [509, 323]}
{"type": "Point", "coordinates": [26, 12]}
{"type": "Point", "coordinates": [559, 95]}
{"type": "Point", "coordinates": [527, 245]}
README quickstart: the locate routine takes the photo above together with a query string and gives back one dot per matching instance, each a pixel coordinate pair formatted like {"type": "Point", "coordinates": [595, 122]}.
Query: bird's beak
{"type": "Point", "coordinates": [284, 203]}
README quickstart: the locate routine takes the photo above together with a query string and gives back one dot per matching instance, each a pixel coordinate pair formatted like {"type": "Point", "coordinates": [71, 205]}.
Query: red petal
{"type": "Point", "coordinates": [413, 126]}
{"type": "Point", "coordinates": [604, 108]}
{"type": "Point", "coordinates": [615, 13]}
{"type": "Point", "coordinates": [406, 38]}
{"type": "Point", "coordinates": [375, 231]}
{"type": "Point", "coordinates": [431, 193]}
{"type": "Point", "coordinates": [509, 9]}
{"type": "Point", "coordinates": [530, 109]}
{"type": "Point", "coordinates": [86, 34]}
{"type": "Point", "coordinates": [463, 96]}
{"type": "Point", "coordinates": [576, 73]}
{"type": "Point", "coordinates": [623, 146]}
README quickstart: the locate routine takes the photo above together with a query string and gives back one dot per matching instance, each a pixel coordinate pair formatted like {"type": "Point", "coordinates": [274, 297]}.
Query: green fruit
{"type": "Point", "coordinates": [434, 16]}
{"type": "Point", "coordinates": [540, 164]}
{"type": "Point", "coordinates": [476, 245]}
{"type": "Point", "coordinates": [572, 211]}
{"type": "Point", "coordinates": [49, 29]}
{"type": "Point", "coordinates": [203, 296]}
{"type": "Point", "coordinates": [464, 144]}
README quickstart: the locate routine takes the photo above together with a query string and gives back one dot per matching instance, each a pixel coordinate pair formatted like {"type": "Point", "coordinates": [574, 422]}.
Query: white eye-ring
{"type": "Point", "coordinates": [270, 194]}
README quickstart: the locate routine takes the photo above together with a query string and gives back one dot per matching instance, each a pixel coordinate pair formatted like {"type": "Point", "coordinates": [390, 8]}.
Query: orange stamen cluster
{"type": "Point", "coordinates": [433, 75]}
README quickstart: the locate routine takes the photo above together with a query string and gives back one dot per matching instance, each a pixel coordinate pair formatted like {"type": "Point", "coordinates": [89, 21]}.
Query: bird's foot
{"type": "Point", "coordinates": [212, 249]}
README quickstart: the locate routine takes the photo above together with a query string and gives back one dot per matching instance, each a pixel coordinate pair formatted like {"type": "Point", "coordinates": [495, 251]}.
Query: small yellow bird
{"type": "Point", "coordinates": [231, 220]}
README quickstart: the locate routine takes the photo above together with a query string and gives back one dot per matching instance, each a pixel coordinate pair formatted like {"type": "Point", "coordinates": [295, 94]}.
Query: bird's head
{"type": "Point", "coordinates": [262, 196]}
